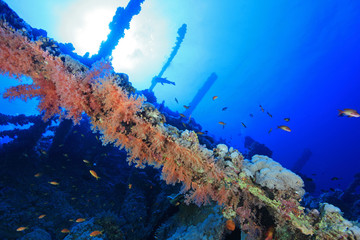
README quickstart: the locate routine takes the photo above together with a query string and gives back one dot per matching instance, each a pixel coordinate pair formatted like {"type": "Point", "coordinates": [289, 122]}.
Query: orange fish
{"type": "Point", "coordinates": [270, 233]}
{"type": "Point", "coordinates": [20, 229]}
{"type": "Point", "coordinates": [187, 107]}
{"type": "Point", "coordinates": [41, 216]}
{"type": "Point", "coordinates": [200, 133]}
{"type": "Point", "coordinates": [230, 225]}
{"type": "Point", "coordinates": [96, 233]}
{"type": "Point", "coordinates": [65, 230]}
{"type": "Point", "coordinates": [349, 112]}
{"type": "Point", "coordinates": [79, 220]}
{"type": "Point", "coordinates": [285, 128]}
{"type": "Point", "coordinates": [222, 123]}
{"type": "Point", "coordinates": [130, 186]}
{"type": "Point", "coordinates": [214, 97]}
{"type": "Point", "coordinates": [38, 175]}
{"type": "Point", "coordinates": [54, 183]}
{"type": "Point", "coordinates": [182, 115]}
{"type": "Point", "coordinates": [94, 174]}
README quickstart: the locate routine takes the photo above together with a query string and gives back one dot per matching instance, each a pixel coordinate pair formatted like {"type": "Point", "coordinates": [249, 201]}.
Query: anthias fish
{"type": "Point", "coordinates": [95, 233]}
{"type": "Point", "coordinates": [285, 128]}
{"type": "Point", "coordinates": [54, 183]}
{"type": "Point", "coordinates": [94, 174]}
{"type": "Point", "coordinates": [79, 220]}
{"type": "Point", "coordinates": [20, 229]}
{"type": "Point", "coordinates": [349, 112]}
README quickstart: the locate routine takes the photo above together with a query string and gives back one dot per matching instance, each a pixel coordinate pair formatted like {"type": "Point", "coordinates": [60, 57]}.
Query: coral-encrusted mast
{"type": "Point", "coordinates": [64, 90]}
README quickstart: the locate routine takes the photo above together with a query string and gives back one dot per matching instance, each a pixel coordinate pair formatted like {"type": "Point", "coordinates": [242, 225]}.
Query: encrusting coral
{"type": "Point", "coordinates": [123, 120]}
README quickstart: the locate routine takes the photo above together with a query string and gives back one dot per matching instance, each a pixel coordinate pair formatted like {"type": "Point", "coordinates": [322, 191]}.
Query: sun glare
{"type": "Point", "coordinates": [89, 36]}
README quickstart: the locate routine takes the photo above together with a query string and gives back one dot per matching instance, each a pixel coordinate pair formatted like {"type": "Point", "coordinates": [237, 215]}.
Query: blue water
{"type": "Point", "coordinates": [298, 60]}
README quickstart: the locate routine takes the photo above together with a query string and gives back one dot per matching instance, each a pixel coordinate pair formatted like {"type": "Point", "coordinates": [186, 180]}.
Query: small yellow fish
{"type": "Point", "coordinates": [38, 175]}
{"type": "Point", "coordinates": [41, 216]}
{"type": "Point", "coordinates": [187, 107]}
{"type": "Point", "coordinates": [130, 186]}
{"type": "Point", "coordinates": [214, 97]}
{"type": "Point", "coordinates": [94, 174]}
{"type": "Point", "coordinates": [86, 161]}
{"type": "Point", "coordinates": [243, 124]}
{"type": "Point", "coordinates": [54, 183]}
{"type": "Point", "coordinates": [79, 220]}
{"type": "Point", "coordinates": [285, 128]}
{"type": "Point", "coordinates": [65, 230]}
{"type": "Point", "coordinates": [95, 233]}
{"type": "Point", "coordinates": [43, 152]}
{"type": "Point", "coordinates": [349, 112]}
{"type": "Point", "coordinates": [20, 229]}
{"type": "Point", "coordinates": [287, 119]}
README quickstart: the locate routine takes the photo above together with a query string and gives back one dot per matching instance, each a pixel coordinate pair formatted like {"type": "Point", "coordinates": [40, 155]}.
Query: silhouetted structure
{"type": "Point", "coordinates": [201, 93]}
{"type": "Point", "coordinates": [300, 163]}
{"type": "Point", "coordinates": [255, 147]}
{"type": "Point", "coordinates": [181, 35]}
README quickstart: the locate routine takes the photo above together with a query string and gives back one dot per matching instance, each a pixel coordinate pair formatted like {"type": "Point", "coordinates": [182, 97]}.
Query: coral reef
{"type": "Point", "coordinates": [194, 223]}
{"type": "Point", "coordinates": [272, 175]}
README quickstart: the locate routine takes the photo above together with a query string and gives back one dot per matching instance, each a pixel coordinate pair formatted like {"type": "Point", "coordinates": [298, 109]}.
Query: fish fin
{"type": "Point", "coordinates": [341, 113]}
